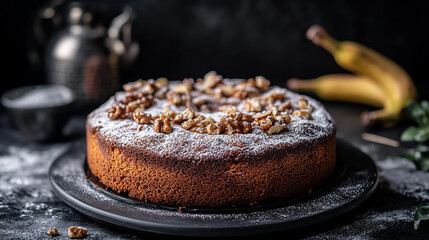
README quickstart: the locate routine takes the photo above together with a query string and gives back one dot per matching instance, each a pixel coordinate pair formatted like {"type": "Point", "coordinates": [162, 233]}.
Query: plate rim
{"type": "Point", "coordinates": [206, 230]}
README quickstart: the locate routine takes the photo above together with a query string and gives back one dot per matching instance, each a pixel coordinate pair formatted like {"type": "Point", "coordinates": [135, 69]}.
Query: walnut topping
{"type": "Point", "coordinates": [244, 103]}
{"type": "Point", "coordinates": [167, 111]}
{"type": "Point", "coordinates": [278, 95]}
{"type": "Point", "coordinates": [246, 127]}
{"type": "Point", "coordinates": [265, 124]}
{"type": "Point", "coordinates": [303, 113]}
{"type": "Point", "coordinates": [228, 109]}
{"type": "Point", "coordinates": [141, 117]}
{"type": "Point", "coordinates": [229, 130]}
{"type": "Point", "coordinates": [141, 103]}
{"type": "Point", "coordinates": [157, 125]}
{"type": "Point", "coordinates": [285, 106]}
{"type": "Point", "coordinates": [303, 105]}
{"type": "Point", "coordinates": [182, 88]}
{"type": "Point", "coordinates": [199, 117]}
{"type": "Point", "coordinates": [263, 114]}
{"type": "Point", "coordinates": [185, 87]}
{"type": "Point", "coordinates": [197, 129]}
{"type": "Point", "coordinates": [161, 82]}
{"type": "Point", "coordinates": [285, 119]}
{"type": "Point", "coordinates": [276, 129]}
{"type": "Point", "coordinates": [132, 106]}
{"type": "Point", "coordinates": [77, 232]}
{"type": "Point", "coordinates": [162, 124]}
{"type": "Point", "coordinates": [246, 92]}
{"type": "Point", "coordinates": [237, 123]}
{"type": "Point", "coordinates": [161, 93]}
{"type": "Point", "coordinates": [274, 111]}
{"type": "Point", "coordinates": [117, 111]}
{"type": "Point", "coordinates": [252, 105]}
{"type": "Point", "coordinates": [155, 117]}
{"type": "Point", "coordinates": [188, 124]}
{"type": "Point", "coordinates": [207, 121]}
{"type": "Point", "coordinates": [242, 117]}
{"type": "Point", "coordinates": [215, 128]}
{"type": "Point", "coordinates": [217, 93]}
{"type": "Point", "coordinates": [178, 118]}
{"type": "Point", "coordinates": [52, 231]}
{"type": "Point", "coordinates": [204, 108]}
{"type": "Point", "coordinates": [188, 114]}
{"type": "Point", "coordinates": [132, 86]}
{"type": "Point", "coordinates": [271, 121]}
{"type": "Point", "coordinates": [211, 79]}
{"type": "Point", "coordinates": [188, 102]}
{"type": "Point", "coordinates": [149, 86]}
{"type": "Point", "coordinates": [199, 101]}
{"type": "Point", "coordinates": [262, 83]}
{"type": "Point", "coordinates": [130, 102]}
{"type": "Point", "coordinates": [166, 125]}
{"type": "Point", "coordinates": [227, 90]}
{"type": "Point", "coordinates": [173, 98]}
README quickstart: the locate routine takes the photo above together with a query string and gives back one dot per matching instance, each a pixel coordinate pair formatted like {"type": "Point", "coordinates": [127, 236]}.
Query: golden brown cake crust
{"type": "Point", "coordinates": [227, 183]}
{"type": "Point", "coordinates": [184, 168]}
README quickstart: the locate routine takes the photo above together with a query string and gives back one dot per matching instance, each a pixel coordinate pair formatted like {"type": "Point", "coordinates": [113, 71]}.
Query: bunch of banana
{"type": "Point", "coordinates": [378, 81]}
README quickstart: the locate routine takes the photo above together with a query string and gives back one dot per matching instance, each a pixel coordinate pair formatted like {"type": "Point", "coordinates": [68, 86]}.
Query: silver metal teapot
{"type": "Point", "coordinates": [90, 57]}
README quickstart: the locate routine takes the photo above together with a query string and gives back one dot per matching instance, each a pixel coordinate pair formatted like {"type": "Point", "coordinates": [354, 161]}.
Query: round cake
{"type": "Point", "coordinates": [210, 142]}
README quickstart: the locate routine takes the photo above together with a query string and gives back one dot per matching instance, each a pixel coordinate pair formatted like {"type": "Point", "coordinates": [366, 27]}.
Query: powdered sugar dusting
{"type": "Point", "coordinates": [43, 96]}
{"type": "Point", "coordinates": [125, 132]}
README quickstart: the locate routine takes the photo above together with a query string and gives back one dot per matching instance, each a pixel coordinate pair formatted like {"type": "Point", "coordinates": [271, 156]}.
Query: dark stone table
{"type": "Point", "coordinates": [28, 207]}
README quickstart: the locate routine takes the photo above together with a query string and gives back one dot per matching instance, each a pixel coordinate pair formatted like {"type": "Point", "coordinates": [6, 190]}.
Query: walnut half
{"type": "Point", "coordinates": [262, 83]}
{"type": "Point", "coordinates": [117, 111]}
{"type": "Point", "coordinates": [162, 124]}
{"type": "Point", "coordinates": [52, 231]}
{"type": "Point", "coordinates": [173, 98]}
{"type": "Point", "coordinates": [303, 105]}
{"type": "Point", "coordinates": [77, 232]}
{"type": "Point", "coordinates": [303, 114]}
{"type": "Point", "coordinates": [133, 86]}
{"type": "Point", "coordinates": [276, 129]}
{"type": "Point", "coordinates": [141, 117]}
{"type": "Point", "coordinates": [252, 105]}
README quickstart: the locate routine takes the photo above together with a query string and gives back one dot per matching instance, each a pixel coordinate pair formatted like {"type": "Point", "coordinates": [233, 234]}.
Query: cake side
{"type": "Point", "coordinates": [230, 182]}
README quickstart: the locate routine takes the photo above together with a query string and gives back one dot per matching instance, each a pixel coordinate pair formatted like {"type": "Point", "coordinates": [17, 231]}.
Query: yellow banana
{"type": "Point", "coordinates": [389, 76]}
{"type": "Point", "coordinates": [342, 87]}
{"type": "Point", "coordinates": [350, 88]}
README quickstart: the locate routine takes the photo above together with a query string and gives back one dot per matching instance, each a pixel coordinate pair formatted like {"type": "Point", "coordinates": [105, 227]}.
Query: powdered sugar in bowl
{"type": "Point", "coordinates": [39, 112]}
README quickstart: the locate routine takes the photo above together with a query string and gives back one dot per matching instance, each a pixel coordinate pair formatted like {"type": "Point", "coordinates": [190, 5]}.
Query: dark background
{"type": "Point", "coordinates": [241, 38]}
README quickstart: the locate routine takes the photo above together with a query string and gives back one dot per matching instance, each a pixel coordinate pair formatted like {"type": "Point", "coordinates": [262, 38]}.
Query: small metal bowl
{"type": "Point", "coordinates": [39, 112]}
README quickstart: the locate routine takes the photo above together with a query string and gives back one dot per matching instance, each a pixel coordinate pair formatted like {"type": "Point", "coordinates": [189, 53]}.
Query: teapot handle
{"type": "Point", "coordinates": [122, 24]}
{"type": "Point", "coordinates": [119, 34]}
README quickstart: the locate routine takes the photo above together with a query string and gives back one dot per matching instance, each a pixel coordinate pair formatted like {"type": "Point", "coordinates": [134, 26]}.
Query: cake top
{"type": "Point", "coordinates": [210, 116]}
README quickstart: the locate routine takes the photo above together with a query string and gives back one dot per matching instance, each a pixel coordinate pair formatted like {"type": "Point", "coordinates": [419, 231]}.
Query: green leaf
{"type": "Point", "coordinates": [409, 134]}
{"type": "Point", "coordinates": [418, 114]}
{"type": "Point", "coordinates": [426, 125]}
{"type": "Point", "coordinates": [421, 218]}
{"type": "Point", "coordinates": [422, 135]}
{"type": "Point", "coordinates": [423, 149]}
{"type": "Point", "coordinates": [419, 156]}
{"type": "Point", "coordinates": [409, 108]}
{"type": "Point", "coordinates": [425, 105]}
{"type": "Point", "coordinates": [424, 164]}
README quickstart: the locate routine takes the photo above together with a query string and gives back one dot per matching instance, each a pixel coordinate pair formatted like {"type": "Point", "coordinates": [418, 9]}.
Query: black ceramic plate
{"type": "Point", "coordinates": [355, 178]}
